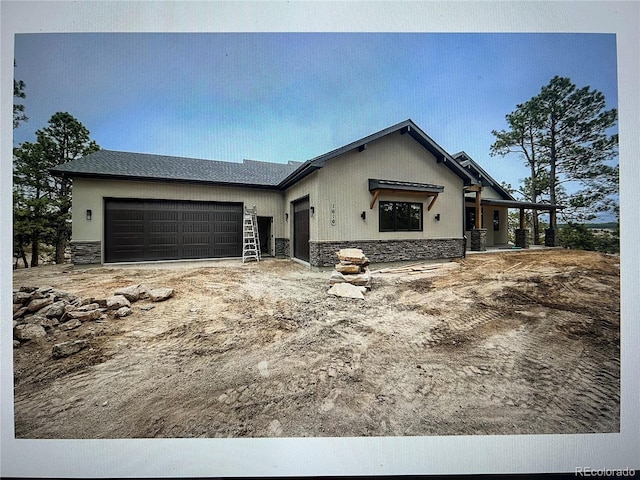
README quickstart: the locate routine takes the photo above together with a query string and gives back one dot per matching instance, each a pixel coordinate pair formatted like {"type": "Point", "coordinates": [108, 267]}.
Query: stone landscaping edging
{"type": "Point", "coordinates": [38, 311]}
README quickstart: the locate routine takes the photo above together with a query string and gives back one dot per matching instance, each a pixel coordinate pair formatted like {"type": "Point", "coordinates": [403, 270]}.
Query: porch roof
{"type": "Point", "coordinates": [518, 204]}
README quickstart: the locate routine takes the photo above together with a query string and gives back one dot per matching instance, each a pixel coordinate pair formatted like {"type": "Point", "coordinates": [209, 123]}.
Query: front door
{"type": "Point", "coordinates": [301, 229]}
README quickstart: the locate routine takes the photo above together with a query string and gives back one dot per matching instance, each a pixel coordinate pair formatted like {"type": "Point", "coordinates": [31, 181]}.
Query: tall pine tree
{"type": "Point", "coordinates": [42, 203]}
{"type": "Point", "coordinates": [564, 135]}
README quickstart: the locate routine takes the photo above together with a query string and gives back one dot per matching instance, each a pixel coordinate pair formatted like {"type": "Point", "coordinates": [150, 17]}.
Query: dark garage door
{"type": "Point", "coordinates": [142, 230]}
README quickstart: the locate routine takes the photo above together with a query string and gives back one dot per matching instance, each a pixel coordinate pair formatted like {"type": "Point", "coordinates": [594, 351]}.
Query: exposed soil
{"type": "Point", "coordinates": [501, 343]}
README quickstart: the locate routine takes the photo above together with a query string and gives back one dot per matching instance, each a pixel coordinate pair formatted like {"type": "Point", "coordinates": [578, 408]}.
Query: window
{"type": "Point", "coordinates": [400, 217]}
{"type": "Point", "coordinates": [496, 220]}
{"type": "Point", "coordinates": [470, 218]}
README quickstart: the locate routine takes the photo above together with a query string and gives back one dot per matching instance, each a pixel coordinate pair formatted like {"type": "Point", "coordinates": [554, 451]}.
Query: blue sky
{"type": "Point", "coordinates": [293, 96]}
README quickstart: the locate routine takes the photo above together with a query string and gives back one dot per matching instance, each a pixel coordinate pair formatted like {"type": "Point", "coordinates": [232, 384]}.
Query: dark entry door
{"type": "Point", "coordinates": [144, 230]}
{"type": "Point", "coordinates": [301, 229]}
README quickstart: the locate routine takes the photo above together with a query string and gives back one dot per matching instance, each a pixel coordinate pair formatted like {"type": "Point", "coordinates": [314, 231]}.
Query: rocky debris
{"type": "Point", "coordinates": [38, 310]}
{"type": "Point", "coordinates": [55, 310]}
{"type": "Point", "coordinates": [65, 349]}
{"type": "Point", "coordinates": [38, 303]}
{"type": "Point", "coordinates": [29, 331]}
{"type": "Point", "coordinates": [131, 293]}
{"type": "Point", "coordinates": [70, 325]}
{"type": "Point", "coordinates": [123, 312]}
{"type": "Point", "coordinates": [160, 294]}
{"type": "Point", "coordinates": [347, 290]}
{"type": "Point", "coordinates": [117, 301]}
{"type": "Point", "coordinates": [352, 269]}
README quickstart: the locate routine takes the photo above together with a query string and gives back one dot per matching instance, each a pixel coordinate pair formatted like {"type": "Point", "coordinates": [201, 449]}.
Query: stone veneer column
{"type": "Point", "coordinates": [479, 239]}
{"type": "Point", "coordinates": [551, 237]}
{"type": "Point", "coordinates": [522, 237]}
{"type": "Point", "coordinates": [84, 253]}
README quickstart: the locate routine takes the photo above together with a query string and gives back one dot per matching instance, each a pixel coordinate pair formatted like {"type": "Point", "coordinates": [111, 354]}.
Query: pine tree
{"type": "Point", "coordinates": [42, 203]}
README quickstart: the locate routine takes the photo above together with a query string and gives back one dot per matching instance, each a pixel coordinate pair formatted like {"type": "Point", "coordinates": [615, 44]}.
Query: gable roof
{"type": "Point", "coordinates": [481, 175]}
{"type": "Point", "coordinates": [406, 127]}
{"type": "Point", "coordinates": [142, 166]}
{"type": "Point", "coordinates": [250, 173]}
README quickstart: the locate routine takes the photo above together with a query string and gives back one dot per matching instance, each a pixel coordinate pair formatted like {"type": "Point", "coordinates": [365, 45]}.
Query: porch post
{"type": "Point", "coordinates": [521, 218]}
{"type": "Point", "coordinates": [478, 209]}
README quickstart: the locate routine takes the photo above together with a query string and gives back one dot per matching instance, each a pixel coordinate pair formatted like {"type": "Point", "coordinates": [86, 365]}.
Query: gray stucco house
{"type": "Point", "coordinates": [396, 194]}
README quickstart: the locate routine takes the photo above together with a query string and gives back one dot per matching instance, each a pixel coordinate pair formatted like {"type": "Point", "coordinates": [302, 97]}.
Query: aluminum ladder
{"type": "Point", "coordinates": [250, 236]}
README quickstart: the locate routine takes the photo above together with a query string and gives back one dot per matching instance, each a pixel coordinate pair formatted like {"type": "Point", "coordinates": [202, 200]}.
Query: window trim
{"type": "Point", "coordinates": [394, 216]}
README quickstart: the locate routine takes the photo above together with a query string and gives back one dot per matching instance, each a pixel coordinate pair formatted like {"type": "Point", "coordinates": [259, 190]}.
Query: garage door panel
{"type": "Point", "coordinates": [170, 230]}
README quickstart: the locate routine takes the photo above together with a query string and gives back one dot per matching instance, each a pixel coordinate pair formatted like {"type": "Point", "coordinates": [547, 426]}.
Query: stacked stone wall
{"type": "Point", "coordinates": [322, 254]}
{"type": "Point", "coordinates": [84, 253]}
{"type": "Point", "coordinates": [282, 247]}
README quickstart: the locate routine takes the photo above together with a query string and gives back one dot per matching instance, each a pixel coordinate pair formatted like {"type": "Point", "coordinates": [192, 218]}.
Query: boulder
{"type": "Point", "coordinates": [117, 301]}
{"type": "Point", "coordinates": [40, 320]}
{"type": "Point", "coordinates": [82, 316]}
{"type": "Point", "coordinates": [16, 343]}
{"type": "Point", "coordinates": [352, 255]}
{"type": "Point", "coordinates": [88, 307]}
{"type": "Point", "coordinates": [29, 331]}
{"type": "Point", "coordinates": [38, 303]}
{"type": "Point", "coordinates": [70, 325]}
{"type": "Point", "coordinates": [21, 298]}
{"type": "Point", "coordinates": [346, 290]}
{"type": "Point", "coordinates": [143, 290]}
{"type": "Point", "coordinates": [160, 294]}
{"type": "Point", "coordinates": [131, 293]}
{"type": "Point", "coordinates": [349, 268]}
{"type": "Point", "coordinates": [28, 289]}
{"type": "Point", "coordinates": [65, 349]}
{"type": "Point", "coordinates": [55, 310]}
{"type": "Point", "coordinates": [20, 313]}
{"type": "Point", "coordinates": [65, 296]}
{"type": "Point", "coordinates": [123, 312]}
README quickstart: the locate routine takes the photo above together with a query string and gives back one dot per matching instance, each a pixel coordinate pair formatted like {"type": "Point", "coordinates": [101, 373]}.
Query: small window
{"type": "Point", "coordinates": [496, 220]}
{"type": "Point", "coordinates": [400, 217]}
{"type": "Point", "coordinates": [470, 218]}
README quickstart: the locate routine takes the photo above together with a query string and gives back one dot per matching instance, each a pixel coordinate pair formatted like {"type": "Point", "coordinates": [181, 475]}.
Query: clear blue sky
{"type": "Point", "coordinates": [289, 96]}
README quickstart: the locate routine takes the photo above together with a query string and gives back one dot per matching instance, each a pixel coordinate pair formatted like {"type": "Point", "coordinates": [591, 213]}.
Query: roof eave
{"type": "Point", "coordinates": [156, 179]}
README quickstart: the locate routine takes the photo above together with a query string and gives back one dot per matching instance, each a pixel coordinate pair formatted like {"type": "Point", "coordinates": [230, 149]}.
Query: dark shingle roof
{"type": "Point", "coordinates": [109, 163]}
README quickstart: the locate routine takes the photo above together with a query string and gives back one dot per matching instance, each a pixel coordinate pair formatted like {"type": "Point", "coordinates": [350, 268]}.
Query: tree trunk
{"type": "Point", "coordinates": [61, 247]}
{"type": "Point", "coordinates": [35, 253]}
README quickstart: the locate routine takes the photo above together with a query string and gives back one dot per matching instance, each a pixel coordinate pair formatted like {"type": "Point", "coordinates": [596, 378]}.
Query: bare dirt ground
{"type": "Point", "coordinates": [506, 343]}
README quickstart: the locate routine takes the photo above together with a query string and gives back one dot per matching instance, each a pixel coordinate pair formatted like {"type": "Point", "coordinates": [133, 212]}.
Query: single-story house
{"type": "Point", "coordinates": [396, 194]}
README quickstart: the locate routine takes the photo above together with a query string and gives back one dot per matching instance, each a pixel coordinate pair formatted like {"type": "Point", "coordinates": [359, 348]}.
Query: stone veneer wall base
{"type": "Point", "coordinates": [85, 253]}
{"type": "Point", "coordinates": [282, 247]}
{"type": "Point", "coordinates": [323, 254]}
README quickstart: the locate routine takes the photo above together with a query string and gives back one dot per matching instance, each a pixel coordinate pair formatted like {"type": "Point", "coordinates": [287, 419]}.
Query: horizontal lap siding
{"type": "Point", "coordinates": [138, 230]}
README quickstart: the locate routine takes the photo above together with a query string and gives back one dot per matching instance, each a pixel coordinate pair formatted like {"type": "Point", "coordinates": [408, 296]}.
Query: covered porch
{"type": "Point", "coordinates": [487, 225]}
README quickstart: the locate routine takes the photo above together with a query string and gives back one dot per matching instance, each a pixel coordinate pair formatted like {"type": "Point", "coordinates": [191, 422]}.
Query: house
{"type": "Point", "coordinates": [396, 194]}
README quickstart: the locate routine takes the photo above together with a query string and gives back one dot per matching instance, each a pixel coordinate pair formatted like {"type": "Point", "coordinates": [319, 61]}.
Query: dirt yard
{"type": "Point", "coordinates": [501, 343]}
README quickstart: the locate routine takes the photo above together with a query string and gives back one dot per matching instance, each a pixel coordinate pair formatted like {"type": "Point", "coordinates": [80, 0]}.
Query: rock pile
{"type": "Point", "coordinates": [352, 271]}
{"type": "Point", "coordinates": [37, 311]}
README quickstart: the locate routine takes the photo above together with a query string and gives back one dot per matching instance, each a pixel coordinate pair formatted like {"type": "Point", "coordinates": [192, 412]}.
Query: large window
{"type": "Point", "coordinates": [400, 216]}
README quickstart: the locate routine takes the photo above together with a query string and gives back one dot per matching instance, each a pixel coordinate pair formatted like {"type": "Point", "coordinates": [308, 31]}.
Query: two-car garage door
{"type": "Point", "coordinates": [144, 230]}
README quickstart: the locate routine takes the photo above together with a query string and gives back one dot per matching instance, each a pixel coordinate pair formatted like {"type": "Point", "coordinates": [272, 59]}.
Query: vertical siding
{"type": "Point", "coordinates": [343, 182]}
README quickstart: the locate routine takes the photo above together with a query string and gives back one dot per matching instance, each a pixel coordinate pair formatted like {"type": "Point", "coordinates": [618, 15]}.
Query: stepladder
{"type": "Point", "coordinates": [250, 236]}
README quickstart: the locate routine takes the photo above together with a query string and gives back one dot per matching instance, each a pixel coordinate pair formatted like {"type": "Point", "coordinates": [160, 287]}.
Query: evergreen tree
{"type": "Point", "coordinates": [524, 138]}
{"type": "Point", "coordinates": [563, 135]}
{"type": "Point", "coordinates": [42, 203]}
{"type": "Point", "coordinates": [18, 108]}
